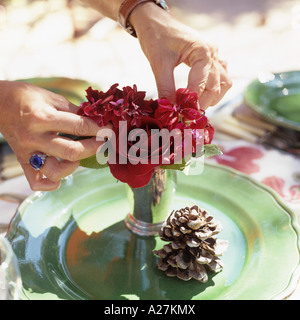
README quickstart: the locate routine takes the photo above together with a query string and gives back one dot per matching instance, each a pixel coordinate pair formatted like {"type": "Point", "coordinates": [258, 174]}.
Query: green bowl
{"type": "Point", "coordinates": [276, 97]}
{"type": "Point", "coordinates": [72, 243]}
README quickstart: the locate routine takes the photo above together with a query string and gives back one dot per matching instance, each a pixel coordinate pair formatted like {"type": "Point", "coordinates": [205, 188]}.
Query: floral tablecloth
{"type": "Point", "coordinates": [274, 168]}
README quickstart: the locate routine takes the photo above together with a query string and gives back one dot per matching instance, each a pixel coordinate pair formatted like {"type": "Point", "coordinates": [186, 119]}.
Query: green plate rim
{"type": "Point", "coordinates": [294, 277]}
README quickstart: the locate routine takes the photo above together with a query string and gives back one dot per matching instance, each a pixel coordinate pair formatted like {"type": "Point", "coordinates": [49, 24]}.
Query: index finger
{"type": "Point", "coordinates": [198, 76]}
{"type": "Point", "coordinates": [67, 149]}
{"type": "Point", "coordinates": [70, 123]}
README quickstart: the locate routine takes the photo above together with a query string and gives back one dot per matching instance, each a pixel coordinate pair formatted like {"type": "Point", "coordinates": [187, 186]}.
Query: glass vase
{"type": "Point", "coordinates": [150, 205]}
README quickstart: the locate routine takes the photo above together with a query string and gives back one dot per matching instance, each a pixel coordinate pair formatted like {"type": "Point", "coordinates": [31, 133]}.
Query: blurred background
{"type": "Point", "coordinates": [45, 38]}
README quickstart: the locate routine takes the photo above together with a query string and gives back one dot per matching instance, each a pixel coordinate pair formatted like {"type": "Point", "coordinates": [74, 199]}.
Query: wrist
{"type": "Point", "coordinates": [134, 14]}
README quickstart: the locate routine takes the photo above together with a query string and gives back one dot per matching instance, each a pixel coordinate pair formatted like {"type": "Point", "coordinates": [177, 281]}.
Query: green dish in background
{"type": "Point", "coordinates": [72, 89]}
{"type": "Point", "coordinates": [72, 243]}
{"type": "Point", "coordinates": [276, 97]}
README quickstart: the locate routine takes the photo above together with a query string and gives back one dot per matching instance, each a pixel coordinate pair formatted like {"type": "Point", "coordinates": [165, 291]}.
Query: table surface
{"type": "Point", "coordinates": [260, 29]}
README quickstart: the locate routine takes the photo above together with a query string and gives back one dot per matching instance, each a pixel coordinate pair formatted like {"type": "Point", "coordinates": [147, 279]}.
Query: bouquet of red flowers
{"type": "Point", "coordinates": [147, 133]}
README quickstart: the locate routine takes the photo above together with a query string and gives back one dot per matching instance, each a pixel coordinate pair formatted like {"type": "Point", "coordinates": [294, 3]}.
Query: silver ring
{"type": "Point", "coordinates": [37, 160]}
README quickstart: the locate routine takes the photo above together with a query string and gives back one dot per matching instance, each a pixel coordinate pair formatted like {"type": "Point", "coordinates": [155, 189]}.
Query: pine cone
{"type": "Point", "coordinates": [194, 245]}
{"type": "Point", "coordinates": [189, 227]}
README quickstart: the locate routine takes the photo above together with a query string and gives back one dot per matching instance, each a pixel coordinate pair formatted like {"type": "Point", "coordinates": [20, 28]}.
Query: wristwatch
{"type": "Point", "coordinates": [128, 6]}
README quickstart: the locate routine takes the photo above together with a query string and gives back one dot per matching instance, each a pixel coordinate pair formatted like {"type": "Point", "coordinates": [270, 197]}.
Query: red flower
{"type": "Point", "coordinates": [136, 154]}
{"type": "Point", "coordinates": [186, 109]}
{"type": "Point", "coordinates": [204, 124]}
{"type": "Point", "coordinates": [196, 134]}
{"type": "Point", "coordinates": [116, 105]}
{"type": "Point", "coordinates": [101, 106]}
{"type": "Point", "coordinates": [135, 106]}
{"type": "Point", "coordinates": [134, 164]}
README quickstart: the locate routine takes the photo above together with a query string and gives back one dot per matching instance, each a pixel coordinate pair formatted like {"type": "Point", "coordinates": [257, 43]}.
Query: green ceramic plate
{"type": "Point", "coordinates": [276, 97]}
{"type": "Point", "coordinates": [72, 243]}
{"type": "Point", "coordinates": [71, 89]}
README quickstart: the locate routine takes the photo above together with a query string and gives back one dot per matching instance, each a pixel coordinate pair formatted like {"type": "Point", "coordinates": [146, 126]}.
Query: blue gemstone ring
{"type": "Point", "coordinates": [37, 160]}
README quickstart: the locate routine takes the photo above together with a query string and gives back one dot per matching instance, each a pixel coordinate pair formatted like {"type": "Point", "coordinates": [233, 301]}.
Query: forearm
{"type": "Point", "coordinates": [109, 8]}
{"type": "Point", "coordinates": [142, 13]}
{"type": "Point", "coordinates": [4, 91]}
{"type": "Point", "coordinates": [167, 43]}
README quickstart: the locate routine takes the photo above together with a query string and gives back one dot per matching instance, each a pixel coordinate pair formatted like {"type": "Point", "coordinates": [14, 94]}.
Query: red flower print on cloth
{"type": "Point", "coordinates": [278, 184]}
{"type": "Point", "coordinates": [241, 159]}
{"type": "Point", "coordinates": [275, 183]}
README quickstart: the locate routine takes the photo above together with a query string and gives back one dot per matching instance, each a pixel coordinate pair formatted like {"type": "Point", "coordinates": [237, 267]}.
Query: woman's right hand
{"type": "Point", "coordinates": [31, 118]}
{"type": "Point", "coordinates": [167, 43]}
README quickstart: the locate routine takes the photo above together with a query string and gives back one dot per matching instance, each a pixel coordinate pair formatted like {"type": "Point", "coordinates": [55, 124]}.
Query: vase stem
{"type": "Point", "coordinates": [149, 205]}
{"type": "Point", "coordinates": [142, 228]}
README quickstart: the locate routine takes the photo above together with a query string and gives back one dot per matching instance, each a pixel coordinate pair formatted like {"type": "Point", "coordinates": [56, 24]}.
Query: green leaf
{"type": "Point", "coordinates": [211, 150]}
{"type": "Point", "coordinates": [176, 166]}
{"type": "Point", "coordinates": [92, 163]}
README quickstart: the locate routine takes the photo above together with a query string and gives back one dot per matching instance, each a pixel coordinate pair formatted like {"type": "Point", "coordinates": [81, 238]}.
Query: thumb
{"type": "Point", "coordinates": [165, 83]}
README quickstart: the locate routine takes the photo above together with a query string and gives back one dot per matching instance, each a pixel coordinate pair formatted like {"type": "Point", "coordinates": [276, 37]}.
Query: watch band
{"type": "Point", "coordinates": [128, 6]}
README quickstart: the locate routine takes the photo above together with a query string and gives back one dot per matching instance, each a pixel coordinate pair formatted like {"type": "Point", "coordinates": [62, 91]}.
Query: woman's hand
{"type": "Point", "coordinates": [31, 118]}
{"type": "Point", "coordinates": [167, 43]}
